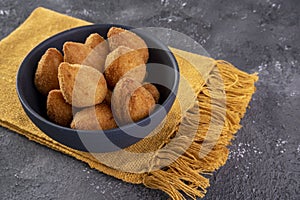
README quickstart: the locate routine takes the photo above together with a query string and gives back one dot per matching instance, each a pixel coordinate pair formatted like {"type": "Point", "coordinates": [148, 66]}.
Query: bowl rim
{"type": "Point", "coordinates": [140, 33]}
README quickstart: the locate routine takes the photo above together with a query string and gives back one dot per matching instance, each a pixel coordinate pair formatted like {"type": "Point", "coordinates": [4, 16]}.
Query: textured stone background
{"type": "Point", "coordinates": [257, 35]}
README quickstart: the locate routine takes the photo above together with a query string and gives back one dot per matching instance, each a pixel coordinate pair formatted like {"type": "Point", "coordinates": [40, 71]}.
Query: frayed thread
{"type": "Point", "coordinates": [188, 173]}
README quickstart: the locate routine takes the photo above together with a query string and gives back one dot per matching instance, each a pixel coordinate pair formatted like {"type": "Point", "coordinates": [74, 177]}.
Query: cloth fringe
{"type": "Point", "coordinates": [187, 174]}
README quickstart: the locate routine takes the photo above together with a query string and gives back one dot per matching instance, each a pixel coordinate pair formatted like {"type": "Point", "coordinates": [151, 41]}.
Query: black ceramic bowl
{"type": "Point", "coordinates": [162, 69]}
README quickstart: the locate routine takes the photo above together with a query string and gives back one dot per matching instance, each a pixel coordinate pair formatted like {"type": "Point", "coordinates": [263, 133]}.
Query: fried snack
{"type": "Point", "coordinates": [124, 61]}
{"type": "Point", "coordinates": [75, 53]}
{"type": "Point", "coordinates": [99, 45]}
{"type": "Point", "coordinates": [153, 90]}
{"type": "Point", "coordinates": [130, 101]}
{"type": "Point", "coordinates": [46, 74]}
{"type": "Point", "coordinates": [78, 53]}
{"type": "Point", "coordinates": [141, 104]}
{"type": "Point", "coordinates": [121, 37]}
{"type": "Point", "coordinates": [94, 40]}
{"type": "Point", "coordinates": [81, 85]}
{"type": "Point", "coordinates": [58, 110]}
{"type": "Point", "coordinates": [97, 117]}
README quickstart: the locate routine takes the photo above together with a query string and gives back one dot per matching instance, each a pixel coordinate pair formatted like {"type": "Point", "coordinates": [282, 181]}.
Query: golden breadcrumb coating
{"type": "Point", "coordinates": [153, 90]}
{"type": "Point", "coordinates": [121, 62]}
{"type": "Point", "coordinates": [121, 37]}
{"type": "Point", "coordinates": [58, 110]}
{"type": "Point", "coordinates": [97, 117]}
{"type": "Point", "coordinates": [130, 101]}
{"type": "Point", "coordinates": [81, 85]}
{"type": "Point", "coordinates": [46, 74]}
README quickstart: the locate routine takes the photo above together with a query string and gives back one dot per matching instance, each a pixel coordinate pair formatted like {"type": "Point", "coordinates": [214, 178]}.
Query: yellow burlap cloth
{"type": "Point", "coordinates": [184, 148]}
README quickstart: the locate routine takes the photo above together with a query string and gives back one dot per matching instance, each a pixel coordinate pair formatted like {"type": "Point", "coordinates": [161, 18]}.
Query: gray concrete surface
{"type": "Point", "coordinates": [257, 35]}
